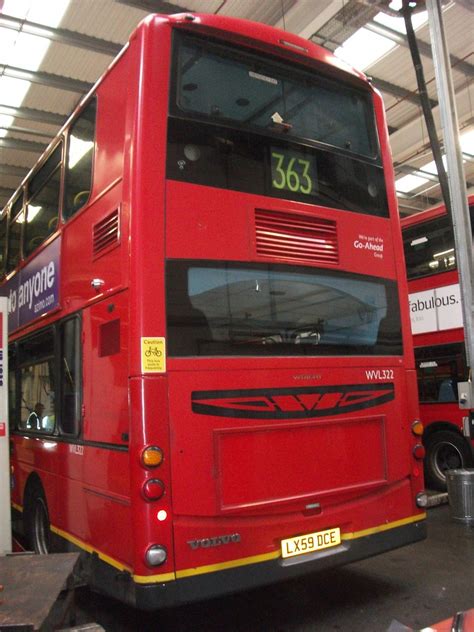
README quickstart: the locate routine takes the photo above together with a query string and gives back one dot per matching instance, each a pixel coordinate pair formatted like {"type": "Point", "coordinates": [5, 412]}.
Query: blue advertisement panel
{"type": "Point", "coordinates": [34, 290]}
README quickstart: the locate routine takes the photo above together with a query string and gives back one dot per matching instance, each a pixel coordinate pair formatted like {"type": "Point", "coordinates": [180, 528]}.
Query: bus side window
{"type": "Point", "coordinates": [70, 371]}
{"type": "Point", "coordinates": [15, 222]}
{"type": "Point", "coordinates": [79, 161]}
{"type": "Point", "coordinates": [43, 203]}
{"type": "Point", "coordinates": [439, 369]}
{"type": "Point", "coordinates": [37, 383]}
{"type": "Point", "coordinates": [12, 384]}
{"type": "Point", "coordinates": [3, 241]}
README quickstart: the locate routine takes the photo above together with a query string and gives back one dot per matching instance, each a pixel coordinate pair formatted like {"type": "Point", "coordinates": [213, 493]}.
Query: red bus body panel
{"type": "Point", "coordinates": [235, 486]}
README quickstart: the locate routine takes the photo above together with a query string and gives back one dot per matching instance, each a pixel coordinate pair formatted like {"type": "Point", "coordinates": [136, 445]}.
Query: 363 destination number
{"type": "Point", "coordinates": [293, 171]}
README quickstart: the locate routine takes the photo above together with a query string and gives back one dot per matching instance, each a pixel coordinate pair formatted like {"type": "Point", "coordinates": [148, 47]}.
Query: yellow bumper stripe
{"type": "Point", "coordinates": [382, 527]}
{"type": "Point", "coordinates": [255, 559]}
{"type": "Point", "coordinates": [211, 568]}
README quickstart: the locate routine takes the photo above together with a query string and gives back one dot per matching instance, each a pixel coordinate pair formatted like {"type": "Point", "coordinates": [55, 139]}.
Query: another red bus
{"type": "Point", "coordinates": [438, 335]}
{"type": "Point", "coordinates": [211, 367]}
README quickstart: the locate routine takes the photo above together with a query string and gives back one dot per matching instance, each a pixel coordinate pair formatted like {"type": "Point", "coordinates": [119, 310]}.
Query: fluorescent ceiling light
{"type": "Point", "coordinates": [467, 142]}
{"type": "Point", "coordinates": [33, 212]}
{"type": "Point", "coordinates": [49, 13]}
{"type": "Point", "coordinates": [77, 149]}
{"type": "Point", "coordinates": [27, 52]}
{"type": "Point", "coordinates": [364, 48]}
{"type": "Point", "coordinates": [398, 24]}
{"type": "Point", "coordinates": [23, 50]}
{"type": "Point", "coordinates": [408, 183]}
{"type": "Point", "coordinates": [7, 42]}
{"type": "Point", "coordinates": [5, 121]}
{"type": "Point", "coordinates": [431, 168]}
{"type": "Point", "coordinates": [420, 240]}
{"type": "Point", "coordinates": [443, 253]}
{"type": "Point", "coordinates": [412, 181]}
{"type": "Point", "coordinates": [13, 91]}
{"type": "Point", "coordinates": [16, 8]}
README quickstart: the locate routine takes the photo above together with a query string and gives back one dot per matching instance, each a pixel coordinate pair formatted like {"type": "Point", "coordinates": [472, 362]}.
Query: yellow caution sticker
{"type": "Point", "coordinates": [153, 355]}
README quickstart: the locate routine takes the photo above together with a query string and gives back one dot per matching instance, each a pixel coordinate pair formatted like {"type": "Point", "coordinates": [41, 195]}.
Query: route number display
{"type": "Point", "coordinates": [293, 171]}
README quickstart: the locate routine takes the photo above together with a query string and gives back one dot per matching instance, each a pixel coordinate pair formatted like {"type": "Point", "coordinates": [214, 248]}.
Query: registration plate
{"type": "Point", "coordinates": [310, 542]}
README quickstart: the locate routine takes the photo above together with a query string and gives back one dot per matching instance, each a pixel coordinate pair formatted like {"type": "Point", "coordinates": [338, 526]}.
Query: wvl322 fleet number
{"type": "Point", "coordinates": [379, 374]}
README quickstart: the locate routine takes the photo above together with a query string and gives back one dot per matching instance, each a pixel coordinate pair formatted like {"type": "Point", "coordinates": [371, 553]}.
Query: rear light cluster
{"type": "Point", "coordinates": [419, 452]}
{"type": "Point", "coordinates": [418, 449]}
{"type": "Point", "coordinates": [154, 489]}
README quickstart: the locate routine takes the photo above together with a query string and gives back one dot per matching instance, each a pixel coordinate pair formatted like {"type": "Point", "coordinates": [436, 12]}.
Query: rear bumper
{"type": "Point", "coordinates": [244, 577]}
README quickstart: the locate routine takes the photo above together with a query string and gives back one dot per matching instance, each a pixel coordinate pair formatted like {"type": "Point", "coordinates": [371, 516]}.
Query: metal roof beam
{"type": "Point", "coordinates": [154, 6]}
{"type": "Point", "coordinates": [25, 130]}
{"type": "Point", "coordinates": [413, 171]}
{"type": "Point", "coordinates": [13, 170]}
{"type": "Point", "coordinates": [6, 193]}
{"type": "Point", "coordinates": [397, 91]}
{"type": "Point", "coordinates": [46, 79]}
{"type": "Point", "coordinates": [63, 36]}
{"type": "Point", "coordinates": [388, 87]}
{"type": "Point", "coordinates": [41, 116]}
{"type": "Point", "coordinates": [424, 47]}
{"type": "Point", "coordinates": [22, 145]}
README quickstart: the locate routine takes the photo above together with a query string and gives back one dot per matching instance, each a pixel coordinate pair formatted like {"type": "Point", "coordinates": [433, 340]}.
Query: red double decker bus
{"type": "Point", "coordinates": [438, 337]}
{"type": "Point", "coordinates": [211, 368]}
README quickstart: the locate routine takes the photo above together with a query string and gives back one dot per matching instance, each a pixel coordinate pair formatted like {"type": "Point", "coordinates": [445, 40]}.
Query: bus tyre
{"type": "Point", "coordinates": [445, 450]}
{"type": "Point", "coordinates": [37, 520]}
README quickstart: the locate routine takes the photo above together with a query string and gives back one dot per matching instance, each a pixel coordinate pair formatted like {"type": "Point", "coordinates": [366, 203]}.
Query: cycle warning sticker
{"type": "Point", "coordinates": [153, 355]}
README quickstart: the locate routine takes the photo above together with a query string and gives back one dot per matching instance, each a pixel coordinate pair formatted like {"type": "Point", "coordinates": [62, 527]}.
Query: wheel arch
{"type": "Point", "coordinates": [438, 426]}
{"type": "Point", "coordinates": [33, 482]}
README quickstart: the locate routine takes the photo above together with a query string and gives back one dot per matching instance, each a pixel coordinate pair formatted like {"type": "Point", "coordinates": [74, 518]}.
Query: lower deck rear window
{"type": "Point", "coordinates": [234, 309]}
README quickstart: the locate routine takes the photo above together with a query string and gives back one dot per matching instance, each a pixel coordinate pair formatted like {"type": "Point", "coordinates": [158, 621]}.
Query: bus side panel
{"type": "Point", "coordinates": [84, 259]}
{"type": "Point", "coordinates": [105, 404]}
{"type": "Point", "coordinates": [112, 97]}
{"type": "Point", "coordinates": [95, 241]}
{"type": "Point", "coordinates": [106, 504]}
{"type": "Point", "coordinates": [150, 421]}
{"type": "Point", "coordinates": [106, 489]}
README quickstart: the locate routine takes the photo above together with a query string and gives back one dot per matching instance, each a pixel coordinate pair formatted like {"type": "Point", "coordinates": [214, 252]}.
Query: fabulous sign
{"type": "Point", "coordinates": [436, 310]}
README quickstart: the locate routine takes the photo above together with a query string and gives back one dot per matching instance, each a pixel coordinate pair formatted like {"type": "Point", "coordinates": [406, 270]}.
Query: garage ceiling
{"type": "Point", "coordinates": [52, 52]}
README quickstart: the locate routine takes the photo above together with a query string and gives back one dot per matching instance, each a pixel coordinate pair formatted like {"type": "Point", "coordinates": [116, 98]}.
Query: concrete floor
{"type": "Point", "coordinates": [417, 586]}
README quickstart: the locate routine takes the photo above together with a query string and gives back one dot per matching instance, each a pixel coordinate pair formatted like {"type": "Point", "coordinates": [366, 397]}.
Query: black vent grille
{"type": "Point", "coordinates": [106, 233]}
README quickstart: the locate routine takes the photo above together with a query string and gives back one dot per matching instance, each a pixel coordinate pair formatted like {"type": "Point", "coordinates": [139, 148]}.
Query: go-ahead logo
{"type": "Point", "coordinates": [291, 403]}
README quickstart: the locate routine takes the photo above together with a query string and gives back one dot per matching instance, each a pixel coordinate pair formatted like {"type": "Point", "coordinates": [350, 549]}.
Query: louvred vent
{"type": "Point", "coordinates": [296, 237]}
{"type": "Point", "coordinates": [106, 233]}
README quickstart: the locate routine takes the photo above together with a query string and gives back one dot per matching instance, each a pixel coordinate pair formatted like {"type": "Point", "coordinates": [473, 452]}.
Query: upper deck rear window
{"type": "Point", "coordinates": [227, 85]}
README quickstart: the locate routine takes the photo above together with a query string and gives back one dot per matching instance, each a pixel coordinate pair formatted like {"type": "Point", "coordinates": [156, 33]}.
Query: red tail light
{"type": "Point", "coordinates": [153, 489]}
{"type": "Point", "coordinates": [419, 452]}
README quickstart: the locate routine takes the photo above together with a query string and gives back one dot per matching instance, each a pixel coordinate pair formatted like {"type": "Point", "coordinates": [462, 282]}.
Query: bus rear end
{"type": "Point", "coordinates": [277, 382]}
{"type": "Point", "coordinates": [438, 338]}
